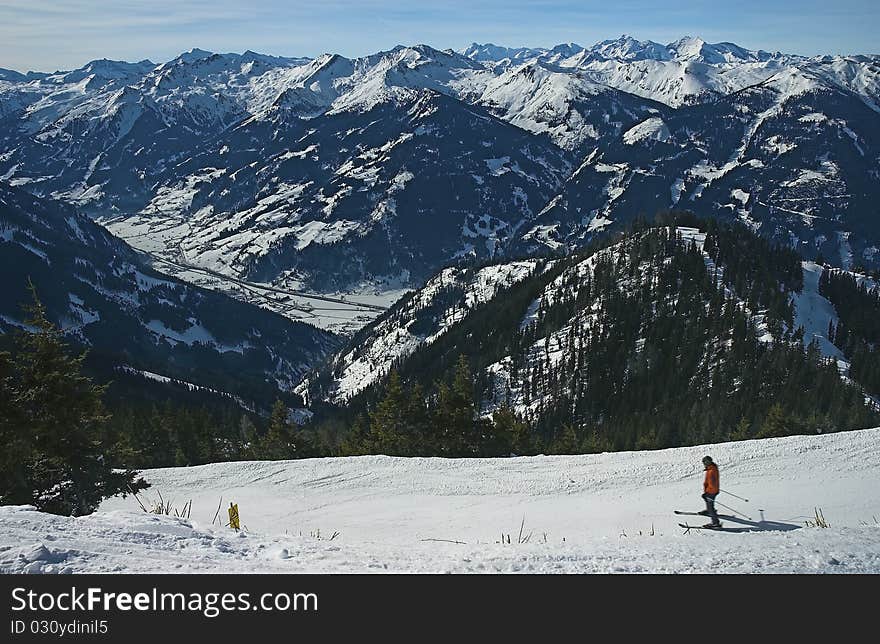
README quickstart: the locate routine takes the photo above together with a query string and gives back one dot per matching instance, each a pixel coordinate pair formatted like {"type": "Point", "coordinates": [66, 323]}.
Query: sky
{"type": "Point", "coordinates": [49, 35]}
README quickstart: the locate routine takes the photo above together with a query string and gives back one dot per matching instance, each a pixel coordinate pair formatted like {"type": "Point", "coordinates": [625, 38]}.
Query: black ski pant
{"type": "Point", "coordinates": [710, 506]}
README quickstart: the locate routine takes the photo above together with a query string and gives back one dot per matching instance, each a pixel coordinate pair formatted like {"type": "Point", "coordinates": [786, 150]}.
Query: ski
{"type": "Point", "coordinates": [697, 514]}
{"type": "Point", "coordinates": [688, 528]}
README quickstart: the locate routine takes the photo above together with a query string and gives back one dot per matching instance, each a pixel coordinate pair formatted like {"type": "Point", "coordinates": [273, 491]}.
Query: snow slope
{"type": "Point", "coordinates": [398, 336]}
{"type": "Point", "coordinates": [601, 513]}
{"type": "Point", "coordinates": [813, 312]}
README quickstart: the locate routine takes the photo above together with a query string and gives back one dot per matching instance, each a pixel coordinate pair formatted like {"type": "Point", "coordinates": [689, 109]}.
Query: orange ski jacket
{"type": "Point", "coordinates": [711, 484]}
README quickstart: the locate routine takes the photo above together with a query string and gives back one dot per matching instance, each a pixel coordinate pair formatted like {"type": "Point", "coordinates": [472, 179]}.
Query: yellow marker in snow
{"type": "Point", "coordinates": [233, 516]}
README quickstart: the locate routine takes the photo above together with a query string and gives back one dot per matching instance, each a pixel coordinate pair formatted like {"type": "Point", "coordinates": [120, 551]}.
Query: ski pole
{"type": "Point", "coordinates": [732, 494]}
{"type": "Point", "coordinates": [734, 511]}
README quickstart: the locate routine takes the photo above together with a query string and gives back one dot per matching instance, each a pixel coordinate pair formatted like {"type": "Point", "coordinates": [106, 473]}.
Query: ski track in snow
{"type": "Point", "coordinates": [602, 513]}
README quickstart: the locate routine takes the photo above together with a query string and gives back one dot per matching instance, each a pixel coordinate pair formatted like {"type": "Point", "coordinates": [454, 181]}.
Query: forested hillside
{"type": "Point", "coordinates": [669, 335]}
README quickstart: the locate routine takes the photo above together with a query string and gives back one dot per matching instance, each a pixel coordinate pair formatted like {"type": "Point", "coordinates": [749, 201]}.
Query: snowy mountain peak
{"type": "Point", "coordinates": [255, 57]}
{"type": "Point", "coordinates": [696, 49]}
{"type": "Point", "coordinates": [420, 55]}
{"type": "Point", "coordinates": [104, 70]}
{"type": "Point", "coordinates": [425, 50]}
{"type": "Point", "coordinates": [491, 53]}
{"type": "Point", "coordinates": [328, 63]}
{"type": "Point", "coordinates": [117, 67]}
{"type": "Point", "coordinates": [628, 48]}
{"type": "Point", "coordinates": [565, 50]}
{"type": "Point", "coordinates": [193, 55]}
{"type": "Point", "coordinates": [624, 48]}
{"type": "Point", "coordinates": [412, 56]}
{"type": "Point", "coordinates": [688, 46]}
{"type": "Point", "coordinates": [447, 56]}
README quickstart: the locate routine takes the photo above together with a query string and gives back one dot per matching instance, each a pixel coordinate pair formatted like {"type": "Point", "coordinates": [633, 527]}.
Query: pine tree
{"type": "Point", "coordinates": [455, 413]}
{"type": "Point", "coordinates": [596, 443]}
{"type": "Point", "coordinates": [567, 441]}
{"type": "Point", "coordinates": [61, 465]}
{"type": "Point", "coordinates": [247, 434]}
{"type": "Point", "coordinates": [511, 433]}
{"type": "Point", "coordinates": [777, 423]}
{"type": "Point", "coordinates": [420, 434]}
{"type": "Point", "coordinates": [742, 430]}
{"type": "Point", "coordinates": [356, 441]}
{"type": "Point", "coordinates": [278, 443]}
{"type": "Point", "coordinates": [388, 422]}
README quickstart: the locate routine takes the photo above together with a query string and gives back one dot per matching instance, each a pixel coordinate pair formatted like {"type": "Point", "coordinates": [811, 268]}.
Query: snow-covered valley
{"type": "Point", "coordinates": [601, 513]}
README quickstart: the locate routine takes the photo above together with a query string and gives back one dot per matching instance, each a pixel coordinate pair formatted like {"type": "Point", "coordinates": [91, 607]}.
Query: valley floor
{"type": "Point", "coordinates": [602, 513]}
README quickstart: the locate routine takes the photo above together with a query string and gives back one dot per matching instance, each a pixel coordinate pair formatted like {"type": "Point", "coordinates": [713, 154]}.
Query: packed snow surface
{"type": "Point", "coordinates": [601, 513]}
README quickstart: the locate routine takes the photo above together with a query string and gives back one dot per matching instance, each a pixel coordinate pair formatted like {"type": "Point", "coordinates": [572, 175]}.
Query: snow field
{"type": "Point", "coordinates": [601, 513]}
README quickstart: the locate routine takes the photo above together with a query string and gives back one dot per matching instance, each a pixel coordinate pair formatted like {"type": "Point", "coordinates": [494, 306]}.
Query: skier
{"type": "Point", "coordinates": [711, 487]}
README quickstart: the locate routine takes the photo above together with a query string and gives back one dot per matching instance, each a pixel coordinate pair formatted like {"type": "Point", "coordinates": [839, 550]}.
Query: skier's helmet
{"type": "Point", "coordinates": [707, 460]}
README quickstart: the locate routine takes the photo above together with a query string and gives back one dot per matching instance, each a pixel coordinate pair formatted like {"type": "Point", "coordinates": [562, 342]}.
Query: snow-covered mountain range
{"type": "Point", "coordinates": [337, 175]}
